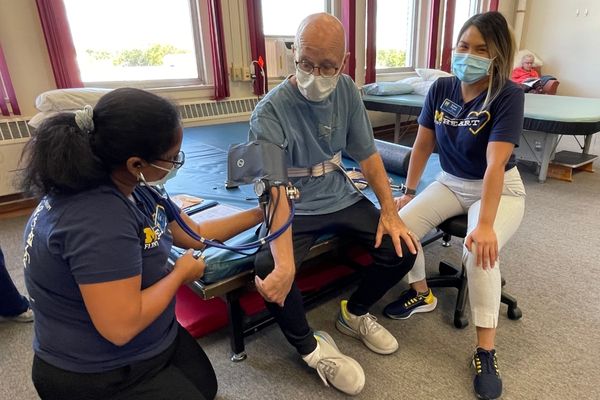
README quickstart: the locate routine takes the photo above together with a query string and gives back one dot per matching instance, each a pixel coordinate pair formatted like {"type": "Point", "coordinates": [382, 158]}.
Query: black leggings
{"type": "Point", "coordinates": [183, 371]}
{"type": "Point", "coordinates": [359, 224]}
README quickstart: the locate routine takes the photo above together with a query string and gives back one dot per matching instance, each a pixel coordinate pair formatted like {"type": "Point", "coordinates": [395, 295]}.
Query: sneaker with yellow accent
{"type": "Point", "coordinates": [409, 303]}
{"type": "Point", "coordinates": [367, 329]}
{"type": "Point", "coordinates": [487, 383]}
{"type": "Point", "coordinates": [342, 372]}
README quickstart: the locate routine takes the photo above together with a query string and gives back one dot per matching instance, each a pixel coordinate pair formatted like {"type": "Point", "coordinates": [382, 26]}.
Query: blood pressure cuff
{"type": "Point", "coordinates": [395, 157]}
{"type": "Point", "coordinates": [258, 159]}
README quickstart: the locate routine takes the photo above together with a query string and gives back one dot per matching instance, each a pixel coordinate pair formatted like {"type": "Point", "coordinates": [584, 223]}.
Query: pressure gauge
{"type": "Point", "coordinates": [260, 187]}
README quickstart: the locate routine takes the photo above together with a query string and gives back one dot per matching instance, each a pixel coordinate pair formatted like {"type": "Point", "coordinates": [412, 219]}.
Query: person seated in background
{"type": "Point", "coordinates": [530, 80]}
{"type": "Point", "coordinates": [13, 305]}
{"type": "Point", "coordinates": [96, 252]}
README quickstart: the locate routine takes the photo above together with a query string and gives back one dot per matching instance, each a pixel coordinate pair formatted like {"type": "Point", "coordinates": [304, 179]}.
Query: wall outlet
{"type": "Point", "coordinates": [236, 73]}
{"type": "Point", "coordinates": [247, 76]}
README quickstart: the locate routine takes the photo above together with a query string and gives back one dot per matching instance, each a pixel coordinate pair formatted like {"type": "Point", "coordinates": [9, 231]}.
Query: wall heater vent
{"type": "Point", "coordinates": [14, 133]}
{"type": "Point", "coordinates": [200, 111]}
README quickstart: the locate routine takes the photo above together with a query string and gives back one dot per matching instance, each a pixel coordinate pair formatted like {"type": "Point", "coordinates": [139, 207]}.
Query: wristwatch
{"type": "Point", "coordinates": [409, 191]}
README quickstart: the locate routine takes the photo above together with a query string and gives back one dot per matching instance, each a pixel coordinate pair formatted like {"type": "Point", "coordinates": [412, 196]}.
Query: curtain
{"type": "Point", "coordinates": [494, 5]}
{"type": "Point", "coordinates": [257, 45]}
{"type": "Point", "coordinates": [448, 31]}
{"type": "Point", "coordinates": [59, 41]}
{"type": "Point", "coordinates": [434, 23]}
{"type": "Point", "coordinates": [349, 22]}
{"type": "Point", "coordinates": [7, 90]}
{"type": "Point", "coordinates": [217, 47]}
{"type": "Point", "coordinates": [371, 56]}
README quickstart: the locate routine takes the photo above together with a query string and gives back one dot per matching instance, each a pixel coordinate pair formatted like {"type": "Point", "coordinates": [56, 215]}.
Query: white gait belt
{"type": "Point", "coordinates": [334, 164]}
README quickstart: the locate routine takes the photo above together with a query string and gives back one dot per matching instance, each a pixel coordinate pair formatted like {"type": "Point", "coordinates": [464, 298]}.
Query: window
{"type": "Point", "coordinates": [280, 22]}
{"type": "Point", "coordinates": [144, 43]}
{"type": "Point", "coordinates": [396, 35]}
{"type": "Point", "coordinates": [464, 9]}
{"type": "Point", "coordinates": [282, 17]}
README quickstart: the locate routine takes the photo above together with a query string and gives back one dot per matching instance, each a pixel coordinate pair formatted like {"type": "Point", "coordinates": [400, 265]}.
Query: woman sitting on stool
{"type": "Point", "coordinates": [475, 118]}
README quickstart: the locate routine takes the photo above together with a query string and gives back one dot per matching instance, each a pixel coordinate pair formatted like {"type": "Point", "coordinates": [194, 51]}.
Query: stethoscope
{"type": "Point", "coordinates": [165, 201]}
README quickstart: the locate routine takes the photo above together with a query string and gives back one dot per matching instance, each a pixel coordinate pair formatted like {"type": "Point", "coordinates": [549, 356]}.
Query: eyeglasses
{"type": "Point", "coordinates": [177, 162]}
{"type": "Point", "coordinates": [324, 70]}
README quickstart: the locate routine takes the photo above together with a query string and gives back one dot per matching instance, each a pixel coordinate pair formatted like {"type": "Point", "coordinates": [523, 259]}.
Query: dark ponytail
{"type": "Point", "coordinates": [65, 158]}
{"type": "Point", "coordinates": [60, 159]}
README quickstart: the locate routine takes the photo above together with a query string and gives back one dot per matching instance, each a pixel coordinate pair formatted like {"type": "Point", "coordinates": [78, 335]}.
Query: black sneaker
{"type": "Point", "coordinates": [409, 303]}
{"type": "Point", "coordinates": [487, 382]}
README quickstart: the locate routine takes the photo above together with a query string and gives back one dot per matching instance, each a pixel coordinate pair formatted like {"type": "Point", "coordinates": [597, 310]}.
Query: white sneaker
{"type": "Point", "coordinates": [333, 367]}
{"type": "Point", "coordinates": [26, 316]}
{"type": "Point", "coordinates": [367, 329]}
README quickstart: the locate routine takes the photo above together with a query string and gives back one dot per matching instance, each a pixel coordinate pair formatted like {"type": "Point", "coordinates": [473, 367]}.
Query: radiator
{"type": "Point", "coordinates": [210, 110]}
{"type": "Point", "coordinates": [14, 133]}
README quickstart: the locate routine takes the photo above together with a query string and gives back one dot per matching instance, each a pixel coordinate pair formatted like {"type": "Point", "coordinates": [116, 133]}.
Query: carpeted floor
{"type": "Point", "coordinates": [551, 265]}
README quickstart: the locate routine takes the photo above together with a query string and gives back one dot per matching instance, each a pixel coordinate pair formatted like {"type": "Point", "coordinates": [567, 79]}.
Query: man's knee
{"type": "Point", "coordinates": [386, 254]}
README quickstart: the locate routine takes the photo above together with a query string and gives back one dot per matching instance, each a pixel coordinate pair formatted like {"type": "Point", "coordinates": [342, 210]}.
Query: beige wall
{"type": "Point", "coordinates": [568, 44]}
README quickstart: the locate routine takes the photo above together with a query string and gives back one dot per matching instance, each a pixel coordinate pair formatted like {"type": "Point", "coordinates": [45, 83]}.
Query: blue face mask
{"type": "Point", "coordinates": [470, 68]}
{"type": "Point", "coordinates": [170, 175]}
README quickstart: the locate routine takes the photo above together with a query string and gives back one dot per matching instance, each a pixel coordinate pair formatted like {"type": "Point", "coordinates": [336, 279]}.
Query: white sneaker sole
{"type": "Point", "coordinates": [350, 332]}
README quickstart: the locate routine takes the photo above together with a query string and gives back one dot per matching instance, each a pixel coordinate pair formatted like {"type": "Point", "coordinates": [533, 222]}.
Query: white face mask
{"type": "Point", "coordinates": [315, 88]}
{"type": "Point", "coordinates": [170, 174]}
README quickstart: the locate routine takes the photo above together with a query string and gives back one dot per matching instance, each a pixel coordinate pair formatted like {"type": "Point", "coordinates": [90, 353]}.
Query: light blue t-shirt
{"type": "Point", "coordinates": [313, 132]}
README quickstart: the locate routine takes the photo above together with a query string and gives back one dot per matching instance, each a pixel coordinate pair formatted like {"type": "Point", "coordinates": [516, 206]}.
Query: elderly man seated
{"type": "Point", "coordinates": [530, 79]}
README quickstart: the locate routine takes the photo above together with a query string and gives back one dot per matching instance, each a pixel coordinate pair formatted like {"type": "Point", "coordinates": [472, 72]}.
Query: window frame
{"type": "Point", "coordinates": [328, 7]}
{"type": "Point", "coordinates": [200, 30]}
{"type": "Point", "coordinates": [416, 18]}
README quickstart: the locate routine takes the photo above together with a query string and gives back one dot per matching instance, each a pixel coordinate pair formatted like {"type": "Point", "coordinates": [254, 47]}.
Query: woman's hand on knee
{"type": "Point", "coordinates": [482, 242]}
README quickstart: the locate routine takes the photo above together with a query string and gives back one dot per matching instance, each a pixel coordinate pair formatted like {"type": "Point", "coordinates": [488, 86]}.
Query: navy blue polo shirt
{"type": "Point", "coordinates": [92, 237]}
{"type": "Point", "coordinates": [463, 130]}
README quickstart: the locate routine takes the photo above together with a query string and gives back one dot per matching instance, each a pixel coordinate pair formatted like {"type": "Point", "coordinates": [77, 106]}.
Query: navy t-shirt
{"type": "Point", "coordinates": [92, 237]}
{"type": "Point", "coordinates": [463, 130]}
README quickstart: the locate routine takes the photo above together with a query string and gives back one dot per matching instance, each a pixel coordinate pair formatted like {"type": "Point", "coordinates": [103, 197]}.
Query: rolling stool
{"type": "Point", "coordinates": [450, 276]}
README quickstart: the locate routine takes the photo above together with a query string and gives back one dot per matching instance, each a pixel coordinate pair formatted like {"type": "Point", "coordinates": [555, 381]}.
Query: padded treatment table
{"type": "Point", "coordinates": [547, 119]}
{"type": "Point", "coordinates": [402, 104]}
{"type": "Point", "coordinates": [204, 173]}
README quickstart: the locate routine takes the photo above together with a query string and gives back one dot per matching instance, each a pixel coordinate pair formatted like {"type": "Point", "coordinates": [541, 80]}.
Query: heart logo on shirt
{"type": "Point", "coordinates": [482, 122]}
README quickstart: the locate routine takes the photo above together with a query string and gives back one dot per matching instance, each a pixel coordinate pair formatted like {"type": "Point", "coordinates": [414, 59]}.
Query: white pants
{"type": "Point", "coordinates": [450, 196]}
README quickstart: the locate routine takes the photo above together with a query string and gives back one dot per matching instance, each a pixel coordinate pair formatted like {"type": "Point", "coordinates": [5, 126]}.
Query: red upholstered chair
{"type": "Point", "coordinates": [551, 86]}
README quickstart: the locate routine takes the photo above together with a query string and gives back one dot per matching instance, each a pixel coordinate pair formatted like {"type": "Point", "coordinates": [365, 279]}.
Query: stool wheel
{"type": "Point", "coordinates": [460, 322]}
{"type": "Point", "coordinates": [238, 357]}
{"type": "Point", "coordinates": [514, 313]}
